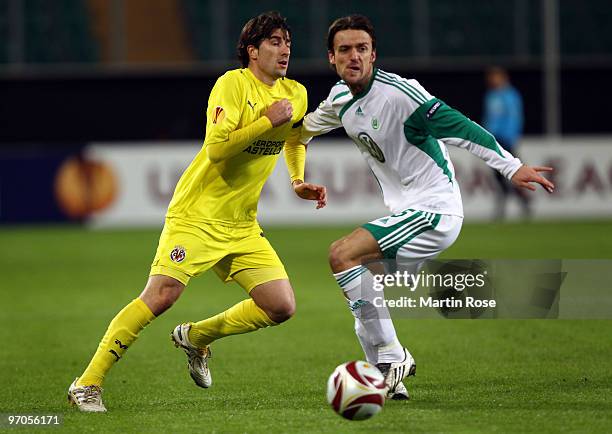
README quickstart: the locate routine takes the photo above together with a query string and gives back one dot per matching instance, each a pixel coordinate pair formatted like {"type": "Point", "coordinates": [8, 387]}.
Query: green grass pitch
{"type": "Point", "coordinates": [62, 285]}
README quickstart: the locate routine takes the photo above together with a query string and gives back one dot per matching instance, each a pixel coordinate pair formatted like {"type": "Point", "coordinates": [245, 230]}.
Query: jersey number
{"type": "Point", "coordinates": [371, 147]}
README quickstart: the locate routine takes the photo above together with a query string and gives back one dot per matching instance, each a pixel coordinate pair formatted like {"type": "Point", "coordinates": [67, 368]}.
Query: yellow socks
{"type": "Point", "coordinates": [243, 317]}
{"type": "Point", "coordinates": [121, 332]}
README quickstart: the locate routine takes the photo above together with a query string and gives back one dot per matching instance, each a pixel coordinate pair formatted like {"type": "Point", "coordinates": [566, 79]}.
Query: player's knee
{"type": "Point", "coordinates": [167, 295]}
{"type": "Point", "coordinates": [160, 295]}
{"type": "Point", "coordinates": [338, 259]}
{"type": "Point", "coordinates": [282, 311]}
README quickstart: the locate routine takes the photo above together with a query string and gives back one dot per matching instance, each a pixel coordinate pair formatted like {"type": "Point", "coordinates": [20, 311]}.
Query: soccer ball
{"type": "Point", "coordinates": [356, 390]}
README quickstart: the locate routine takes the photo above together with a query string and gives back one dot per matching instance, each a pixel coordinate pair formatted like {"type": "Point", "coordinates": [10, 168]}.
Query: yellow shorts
{"type": "Point", "coordinates": [241, 254]}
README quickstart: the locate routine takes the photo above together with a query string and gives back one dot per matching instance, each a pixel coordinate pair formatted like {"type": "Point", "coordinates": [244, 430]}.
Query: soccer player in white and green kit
{"type": "Point", "coordinates": [402, 132]}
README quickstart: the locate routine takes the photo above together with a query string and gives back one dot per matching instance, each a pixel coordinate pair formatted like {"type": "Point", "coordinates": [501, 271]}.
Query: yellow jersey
{"type": "Point", "coordinates": [228, 191]}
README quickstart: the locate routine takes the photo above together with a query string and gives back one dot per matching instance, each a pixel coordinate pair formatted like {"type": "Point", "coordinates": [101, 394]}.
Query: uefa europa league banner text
{"type": "Point", "coordinates": [488, 289]}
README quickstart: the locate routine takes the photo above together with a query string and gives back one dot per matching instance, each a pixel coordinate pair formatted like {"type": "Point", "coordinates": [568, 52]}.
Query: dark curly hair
{"type": "Point", "coordinates": [351, 22]}
{"type": "Point", "coordinates": [256, 30]}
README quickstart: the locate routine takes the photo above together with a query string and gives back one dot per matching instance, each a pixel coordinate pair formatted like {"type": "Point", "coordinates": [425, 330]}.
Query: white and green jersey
{"type": "Point", "coordinates": [401, 131]}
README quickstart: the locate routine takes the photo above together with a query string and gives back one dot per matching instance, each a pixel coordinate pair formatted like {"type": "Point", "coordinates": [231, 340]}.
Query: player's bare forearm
{"type": "Point", "coordinates": [310, 191]}
{"type": "Point", "coordinates": [525, 176]}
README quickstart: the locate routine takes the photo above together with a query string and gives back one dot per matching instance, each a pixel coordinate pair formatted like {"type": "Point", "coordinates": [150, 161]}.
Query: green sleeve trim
{"type": "Point", "coordinates": [436, 120]}
{"type": "Point", "coordinates": [418, 96]}
{"type": "Point", "coordinates": [401, 89]}
{"type": "Point", "coordinates": [340, 95]}
{"type": "Point", "coordinates": [416, 132]}
{"type": "Point", "coordinates": [442, 121]}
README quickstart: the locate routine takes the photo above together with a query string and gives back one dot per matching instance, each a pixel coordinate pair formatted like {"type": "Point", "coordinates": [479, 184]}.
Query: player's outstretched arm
{"type": "Point", "coordinates": [442, 122]}
{"type": "Point", "coordinates": [295, 157]}
{"type": "Point", "coordinates": [526, 175]}
{"type": "Point", "coordinates": [321, 121]}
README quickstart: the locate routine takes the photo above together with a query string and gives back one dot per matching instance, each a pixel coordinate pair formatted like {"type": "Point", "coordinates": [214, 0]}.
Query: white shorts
{"type": "Point", "coordinates": [413, 236]}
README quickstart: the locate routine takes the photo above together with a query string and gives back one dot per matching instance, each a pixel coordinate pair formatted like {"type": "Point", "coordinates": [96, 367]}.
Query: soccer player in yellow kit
{"type": "Point", "coordinates": [252, 114]}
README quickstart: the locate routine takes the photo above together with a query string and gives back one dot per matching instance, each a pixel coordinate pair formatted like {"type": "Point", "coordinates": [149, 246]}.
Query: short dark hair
{"type": "Point", "coordinates": [256, 30]}
{"type": "Point", "coordinates": [351, 22]}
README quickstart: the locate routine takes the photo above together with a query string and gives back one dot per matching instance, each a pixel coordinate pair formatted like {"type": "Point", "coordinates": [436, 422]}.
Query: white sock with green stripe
{"type": "Point", "coordinates": [375, 330]}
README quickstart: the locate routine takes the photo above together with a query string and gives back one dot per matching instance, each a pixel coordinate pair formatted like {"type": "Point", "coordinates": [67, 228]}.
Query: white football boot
{"type": "Point", "coordinates": [394, 374]}
{"type": "Point", "coordinates": [399, 394]}
{"type": "Point", "coordinates": [197, 358]}
{"type": "Point", "coordinates": [88, 399]}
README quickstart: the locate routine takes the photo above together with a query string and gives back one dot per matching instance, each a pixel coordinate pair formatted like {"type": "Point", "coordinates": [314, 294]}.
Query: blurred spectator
{"type": "Point", "coordinates": [503, 117]}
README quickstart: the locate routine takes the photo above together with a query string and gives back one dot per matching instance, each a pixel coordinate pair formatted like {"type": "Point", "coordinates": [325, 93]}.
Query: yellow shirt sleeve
{"type": "Point", "coordinates": [295, 151]}
{"type": "Point", "coordinates": [225, 107]}
{"type": "Point", "coordinates": [295, 154]}
{"type": "Point", "coordinates": [238, 140]}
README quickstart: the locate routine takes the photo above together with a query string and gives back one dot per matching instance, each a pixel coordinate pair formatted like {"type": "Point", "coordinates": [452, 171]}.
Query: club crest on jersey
{"type": "Point", "coordinates": [178, 254]}
{"type": "Point", "coordinates": [375, 123]}
{"type": "Point", "coordinates": [218, 115]}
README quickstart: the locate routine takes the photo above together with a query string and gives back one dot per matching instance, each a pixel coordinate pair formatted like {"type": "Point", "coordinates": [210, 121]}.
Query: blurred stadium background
{"type": "Point", "coordinates": [102, 106]}
{"type": "Point", "coordinates": [122, 86]}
